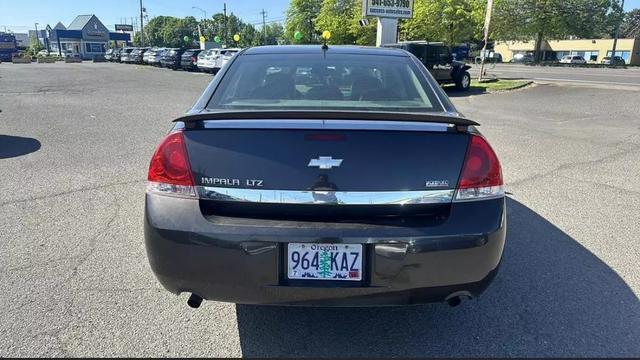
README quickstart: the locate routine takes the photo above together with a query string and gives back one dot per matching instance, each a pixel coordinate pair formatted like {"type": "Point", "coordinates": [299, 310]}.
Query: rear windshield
{"type": "Point", "coordinates": [334, 82]}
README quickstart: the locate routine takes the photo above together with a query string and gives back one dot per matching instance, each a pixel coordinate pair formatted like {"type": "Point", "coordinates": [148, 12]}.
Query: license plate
{"type": "Point", "coordinates": [325, 262]}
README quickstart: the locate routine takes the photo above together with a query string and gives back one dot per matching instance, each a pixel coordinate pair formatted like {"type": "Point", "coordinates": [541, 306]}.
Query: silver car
{"type": "Point", "coordinates": [207, 60]}
{"type": "Point", "coordinates": [154, 58]}
{"type": "Point", "coordinates": [224, 56]}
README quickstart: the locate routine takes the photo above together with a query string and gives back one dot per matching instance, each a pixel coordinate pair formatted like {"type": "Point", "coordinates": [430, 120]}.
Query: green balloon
{"type": "Point", "coordinates": [297, 35]}
{"type": "Point", "coordinates": [216, 39]}
{"type": "Point", "coordinates": [186, 38]}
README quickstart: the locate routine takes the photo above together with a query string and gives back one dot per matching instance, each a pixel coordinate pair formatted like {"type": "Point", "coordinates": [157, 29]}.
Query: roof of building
{"type": "Point", "coordinates": [79, 22]}
{"type": "Point", "coordinates": [59, 26]}
{"type": "Point", "coordinates": [310, 49]}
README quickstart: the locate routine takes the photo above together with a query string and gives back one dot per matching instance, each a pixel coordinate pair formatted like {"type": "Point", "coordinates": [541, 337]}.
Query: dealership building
{"type": "Point", "coordinates": [593, 50]}
{"type": "Point", "coordinates": [85, 35]}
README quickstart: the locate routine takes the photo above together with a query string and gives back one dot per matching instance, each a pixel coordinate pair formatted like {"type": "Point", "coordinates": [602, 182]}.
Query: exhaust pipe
{"type": "Point", "coordinates": [194, 301]}
{"type": "Point", "coordinates": [454, 301]}
{"type": "Point", "coordinates": [455, 298]}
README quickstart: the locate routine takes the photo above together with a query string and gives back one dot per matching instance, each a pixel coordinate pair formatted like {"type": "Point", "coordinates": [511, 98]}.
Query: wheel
{"type": "Point", "coordinates": [463, 82]}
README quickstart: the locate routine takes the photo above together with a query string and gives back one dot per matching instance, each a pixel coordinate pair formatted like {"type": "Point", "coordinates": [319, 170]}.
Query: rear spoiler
{"type": "Point", "coordinates": [327, 115]}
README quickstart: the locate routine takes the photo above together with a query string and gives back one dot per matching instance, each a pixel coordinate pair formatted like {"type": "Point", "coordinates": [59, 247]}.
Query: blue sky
{"type": "Point", "coordinates": [20, 15]}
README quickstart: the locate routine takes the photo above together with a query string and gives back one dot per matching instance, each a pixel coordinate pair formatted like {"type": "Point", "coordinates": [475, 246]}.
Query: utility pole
{"type": "Point", "coordinates": [487, 23]}
{"type": "Point", "coordinates": [615, 39]}
{"type": "Point", "coordinates": [141, 24]}
{"type": "Point", "coordinates": [225, 25]}
{"type": "Point", "coordinates": [264, 27]}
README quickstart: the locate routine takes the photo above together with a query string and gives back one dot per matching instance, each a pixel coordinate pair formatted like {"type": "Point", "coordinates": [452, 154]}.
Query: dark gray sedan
{"type": "Point", "coordinates": [340, 176]}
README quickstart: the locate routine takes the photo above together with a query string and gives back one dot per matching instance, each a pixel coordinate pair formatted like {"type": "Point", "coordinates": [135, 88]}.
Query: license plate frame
{"type": "Point", "coordinates": [345, 262]}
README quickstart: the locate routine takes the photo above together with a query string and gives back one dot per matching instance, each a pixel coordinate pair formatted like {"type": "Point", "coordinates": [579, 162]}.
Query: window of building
{"type": "Point", "coordinates": [94, 47]}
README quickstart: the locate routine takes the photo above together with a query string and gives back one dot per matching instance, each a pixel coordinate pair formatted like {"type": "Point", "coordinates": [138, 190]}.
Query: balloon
{"type": "Point", "coordinates": [236, 37]}
{"type": "Point", "coordinates": [216, 39]}
{"type": "Point", "coordinates": [297, 35]}
{"type": "Point", "coordinates": [186, 38]}
{"type": "Point", "coordinates": [326, 34]}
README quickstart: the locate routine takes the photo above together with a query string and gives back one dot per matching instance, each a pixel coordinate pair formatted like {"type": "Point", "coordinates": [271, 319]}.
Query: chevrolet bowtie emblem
{"type": "Point", "coordinates": [325, 162]}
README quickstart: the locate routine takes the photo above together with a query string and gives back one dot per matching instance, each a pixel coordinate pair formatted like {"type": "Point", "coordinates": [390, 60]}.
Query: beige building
{"type": "Point", "coordinates": [593, 50]}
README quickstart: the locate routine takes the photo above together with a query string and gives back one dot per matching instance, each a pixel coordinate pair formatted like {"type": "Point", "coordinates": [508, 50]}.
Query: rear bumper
{"type": "Point", "coordinates": [243, 261]}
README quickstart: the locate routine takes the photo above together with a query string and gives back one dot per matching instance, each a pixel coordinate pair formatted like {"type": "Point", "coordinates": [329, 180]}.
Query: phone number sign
{"type": "Point", "coordinates": [388, 8]}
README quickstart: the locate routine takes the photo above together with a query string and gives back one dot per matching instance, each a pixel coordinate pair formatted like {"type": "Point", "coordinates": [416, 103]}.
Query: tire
{"type": "Point", "coordinates": [463, 82]}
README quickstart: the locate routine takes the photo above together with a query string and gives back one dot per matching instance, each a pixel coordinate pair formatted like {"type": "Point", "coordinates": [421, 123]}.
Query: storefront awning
{"type": "Point", "coordinates": [68, 34]}
{"type": "Point", "coordinates": [119, 36]}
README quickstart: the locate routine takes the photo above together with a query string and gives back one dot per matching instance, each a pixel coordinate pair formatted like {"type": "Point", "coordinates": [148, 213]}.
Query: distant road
{"type": "Point", "coordinates": [586, 76]}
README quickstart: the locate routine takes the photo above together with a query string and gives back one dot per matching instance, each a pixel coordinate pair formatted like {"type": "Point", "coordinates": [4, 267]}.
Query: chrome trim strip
{"type": "Point", "coordinates": [326, 125]}
{"type": "Point", "coordinates": [327, 197]}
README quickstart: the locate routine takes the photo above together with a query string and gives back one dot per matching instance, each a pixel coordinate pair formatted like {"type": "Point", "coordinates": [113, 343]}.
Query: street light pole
{"type": "Point", "coordinates": [203, 11]}
{"type": "Point", "coordinates": [141, 25]}
{"type": "Point", "coordinates": [615, 38]}
{"type": "Point", "coordinates": [37, 37]}
{"type": "Point", "coordinates": [487, 23]}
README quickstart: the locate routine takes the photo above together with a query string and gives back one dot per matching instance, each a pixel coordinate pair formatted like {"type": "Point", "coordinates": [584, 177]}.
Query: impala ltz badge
{"type": "Point", "coordinates": [325, 162]}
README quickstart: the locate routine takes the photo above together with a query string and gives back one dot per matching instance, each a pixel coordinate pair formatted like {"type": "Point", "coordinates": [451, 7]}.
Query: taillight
{"type": "Point", "coordinates": [194, 59]}
{"type": "Point", "coordinates": [170, 172]}
{"type": "Point", "coordinates": [481, 175]}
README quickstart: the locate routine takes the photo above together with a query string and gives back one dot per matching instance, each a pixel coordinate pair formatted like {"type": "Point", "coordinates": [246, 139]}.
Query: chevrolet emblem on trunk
{"type": "Point", "coordinates": [325, 162]}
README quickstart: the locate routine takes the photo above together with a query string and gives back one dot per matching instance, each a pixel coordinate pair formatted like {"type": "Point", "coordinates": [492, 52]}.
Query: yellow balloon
{"type": "Point", "coordinates": [236, 37]}
{"type": "Point", "coordinates": [326, 34]}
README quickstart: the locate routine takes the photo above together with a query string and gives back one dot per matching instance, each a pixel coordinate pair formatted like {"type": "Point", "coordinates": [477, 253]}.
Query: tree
{"type": "Point", "coordinates": [341, 18]}
{"type": "Point", "coordinates": [274, 34]}
{"type": "Point", "coordinates": [451, 21]}
{"type": "Point", "coordinates": [557, 19]}
{"type": "Point", "coordinates": [169, 31]}
{"type": "Point", "coordinates": [301, 16]}
{"type": "Point", "coordinates": [34, 46]}
{"type": "Point", "coordinates": [215, 26]}
{"type": "Point", "coordinates": [630, 27]}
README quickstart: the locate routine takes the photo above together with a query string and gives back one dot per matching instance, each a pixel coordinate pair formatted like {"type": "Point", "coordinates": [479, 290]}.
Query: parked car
{"type": "Point", "coordinates": [617, 61]}
{"type": "Point", "coordinates": [522, 58]}
{"type": "Point", "coordinates": [44, 52]}
{"type": "Point", "coordinates": [124, 54]}
{"type": "Point", "coordinates": [136, 56]}
{"type": "Point", "coordinates": [437, 58]}
{"type": "Point", "coordinates": [207, 60]}
{"type": "Point", "coordinates": [171, 58]}
{"type": "Point", "coordinates": [376, 191]}
{"type": "Point", "coordinates": [491, 57]}
{"type": "Point", "coordinates": [70, 54]}
{"type": "Point", "coordinates": [108, 55]}
{"type": "Point", "coordinates": [148, 55]}
{"type": "Point", "coordinates": [573, 59]}
{"type": "Point", "coordinates": [189, 60]}
{"type": "Point", "coordinates": [155, 56]}
{"type": "Point", "coordinates": [223, 57]}
{"type": "Point", "coordinates": [116, 55]}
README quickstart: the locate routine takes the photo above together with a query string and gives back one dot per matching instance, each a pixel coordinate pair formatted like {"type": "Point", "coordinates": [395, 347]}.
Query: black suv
{"type": "Point", "coordinates": [171, 58]}
{"type": "Point", "coordinates": [189, 60]}
{"type": "Point", "coordinates": [439, 61]}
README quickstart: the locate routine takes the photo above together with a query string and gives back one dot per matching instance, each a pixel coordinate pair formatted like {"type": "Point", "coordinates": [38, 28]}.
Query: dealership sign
{"type": "Point", "coordinates": [388, 8]}
{"type": "Point", "coordinates": [124, 27]}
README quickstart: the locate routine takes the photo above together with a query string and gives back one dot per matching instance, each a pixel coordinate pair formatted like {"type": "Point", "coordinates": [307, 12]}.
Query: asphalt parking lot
{"type": "Point", "coordinates": [75, 143]}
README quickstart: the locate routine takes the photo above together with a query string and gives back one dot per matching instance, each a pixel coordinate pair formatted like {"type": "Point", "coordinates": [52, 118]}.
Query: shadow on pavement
{"type": "Point", "coordinates": [551, 297]}
{"type": "Point", "coordinates": [452, 92]}
{"type": "Point", "coordinates": [13, 146]}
